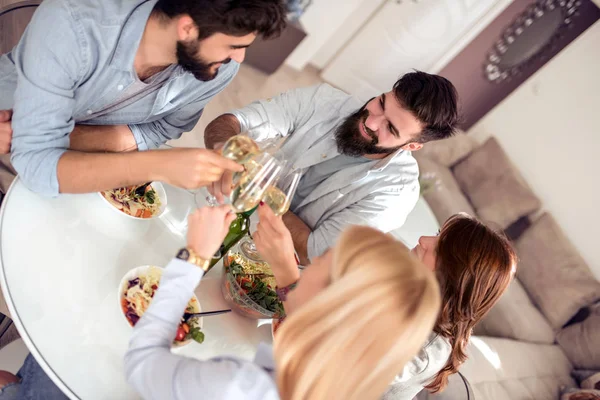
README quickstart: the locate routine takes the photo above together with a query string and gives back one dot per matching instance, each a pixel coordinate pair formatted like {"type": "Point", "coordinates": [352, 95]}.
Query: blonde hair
{"type": "Point", "coordinates": [353, 338]}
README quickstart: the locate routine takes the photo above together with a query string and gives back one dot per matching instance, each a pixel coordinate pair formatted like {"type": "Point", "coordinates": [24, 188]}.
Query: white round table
{"type": "Point", "coordinates": [61, 263]}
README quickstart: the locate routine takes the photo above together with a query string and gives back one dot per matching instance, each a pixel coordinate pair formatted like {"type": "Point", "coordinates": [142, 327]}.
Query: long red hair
{"type": "Point", "coordinates": [474, 266]}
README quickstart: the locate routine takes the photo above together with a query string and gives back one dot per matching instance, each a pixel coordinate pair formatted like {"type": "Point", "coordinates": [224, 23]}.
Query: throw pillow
{"type": "Point", "coordinates": [555, 276]}
{"type": "Point", "coordinates": [581, 341]}
{"type": "Point", "coordinates": [449, 151]}
{"type": "Point", "coordinates": [515, 317]}
{"type": "Point", "coordinates": [494, 187]}
{"type": "Point", "coordinates": [446, 199]}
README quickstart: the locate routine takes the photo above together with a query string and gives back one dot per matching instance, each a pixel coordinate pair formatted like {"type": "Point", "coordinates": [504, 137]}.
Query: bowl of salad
{"type": "Point", "coordinates": [138, 202]}
{"type": "Point", "coordinates": [136, 291]}
{"type": "Point", "coordinates": [248, 285]}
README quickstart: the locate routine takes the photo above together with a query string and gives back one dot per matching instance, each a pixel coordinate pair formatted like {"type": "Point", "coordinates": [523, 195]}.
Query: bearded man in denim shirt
{"type": "Point", "coordinates": [91, 80]}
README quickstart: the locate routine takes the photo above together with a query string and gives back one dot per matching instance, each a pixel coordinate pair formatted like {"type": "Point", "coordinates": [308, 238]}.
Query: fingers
{"type": "Point", "coordinates": [226, 183]}
{"type": "Point", "coordinates": [219, 191]}
{"type": "Point", "coordinates": [267, 216]}
{"type": "Point", "coordinates": [5, 115]}
{"type": "Point", "coordinates": [226, 164]}
{"type": "Point", "coordinates": [229, 219]}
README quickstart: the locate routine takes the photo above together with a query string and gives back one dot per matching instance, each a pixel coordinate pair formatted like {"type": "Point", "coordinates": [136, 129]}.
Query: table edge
{"type": "Point", "coordinates": [15, 316]}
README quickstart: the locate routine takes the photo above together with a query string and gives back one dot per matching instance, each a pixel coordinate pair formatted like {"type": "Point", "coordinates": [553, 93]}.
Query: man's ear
{"type": "Point", "coordinates": [414, 146]}
{"type": "Point", "coordinates": [186, 28]}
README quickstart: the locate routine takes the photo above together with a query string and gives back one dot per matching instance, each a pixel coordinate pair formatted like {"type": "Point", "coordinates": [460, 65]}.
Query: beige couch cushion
{"type": "Point", "coordinates": [447, 199]}
{"type": "Point", "coordinates": [581, 341]}
{"type": "Point", "coordinates": [494, 187]}
{"type": "Point", "coordinates": [555, 276]}
{"type": "Point", "coordinates": [448, 152]}
{"type": "Point", "coordinates": [504, 369]}
{"type": "Point", "coordinates": [515, 317]}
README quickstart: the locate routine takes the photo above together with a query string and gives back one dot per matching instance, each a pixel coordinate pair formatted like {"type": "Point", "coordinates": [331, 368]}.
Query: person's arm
{"type": "Point", "coordinates": [267, 119]}
{"type": "Point", "coordinates": [5, 131]}
{"type": "Point", "coordinates": [188, 168]}
{"type": "Point", "coordinates": [274, 243]}
{"type": "Point", "coordinates": [263, 120]}
{"type": "Point", "coordinates": [86, 138]}
{"type": "Point", "coordinates": [300, 233]}
{"type": "Point", "coordinates": [95, 139]}
{"type": "Point", "coordinates": [151, 368]}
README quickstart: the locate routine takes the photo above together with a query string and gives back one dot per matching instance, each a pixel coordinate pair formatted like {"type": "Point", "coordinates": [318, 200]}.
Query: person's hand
{"type": "Point", "coordinates": [194, 168]}
{"type": "Point", "coordinates": [275, 245]}
{"type": "Point", "coordinates": [5, 131]}
{"type": "Point", "coordinates": [207, 227]}
{"type": "Point", "coordinates": [223, 187]}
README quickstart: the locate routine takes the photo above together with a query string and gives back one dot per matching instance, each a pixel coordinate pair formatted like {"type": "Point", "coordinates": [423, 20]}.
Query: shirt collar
{"type": "Point", "coordinates": [131, 36]}
{"type": "Point", "coordinates": [384, 162]}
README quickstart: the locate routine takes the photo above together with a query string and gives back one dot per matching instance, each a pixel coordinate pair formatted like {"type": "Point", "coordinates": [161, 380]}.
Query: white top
{"type": "Point", "coordinates": [377, 193]}
{"type": "Point", "coordinates": [158, 374]}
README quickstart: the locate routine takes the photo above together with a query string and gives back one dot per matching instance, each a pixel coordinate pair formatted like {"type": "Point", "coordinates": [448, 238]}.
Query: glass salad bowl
{"type": "Point", "coordinates": [248, 285]}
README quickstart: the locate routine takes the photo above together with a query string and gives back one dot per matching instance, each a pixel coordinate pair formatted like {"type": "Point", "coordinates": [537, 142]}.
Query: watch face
{"type": "Point", "coordinates": [184, 254]}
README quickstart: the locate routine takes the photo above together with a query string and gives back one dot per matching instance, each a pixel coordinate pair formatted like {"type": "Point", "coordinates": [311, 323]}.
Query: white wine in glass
{"type": "Point", "coordinates": [240, 148]}
{"type": "Point", "coordinates": [261, 171]}
{"type": "Point", "coordinates": [279, 195]}
{"type": "Point", "coordinates": [277, 200]}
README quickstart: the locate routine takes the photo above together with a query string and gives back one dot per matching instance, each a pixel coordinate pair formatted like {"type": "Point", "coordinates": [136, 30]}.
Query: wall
{"type": "Point", "coordinates": [320, 21]}
{"type": "Point", "coordinates": [345, 32]}
{"type": "Point", "coordinates": [477, 94]}
{"type": "Point", "coordinates": [550, 127]}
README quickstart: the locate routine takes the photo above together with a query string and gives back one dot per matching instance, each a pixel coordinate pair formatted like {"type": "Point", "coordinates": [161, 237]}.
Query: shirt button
{"type": "Point", "coordinates": [324, 155]}
{"type": "Point", "coordinates": [120, 87]}
{"type": "Point", "coordinates": [89, 112]}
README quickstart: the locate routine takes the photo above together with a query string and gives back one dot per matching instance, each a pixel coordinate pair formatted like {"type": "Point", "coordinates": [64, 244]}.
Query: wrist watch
{"type": "Point", "coordinates": [188, 255]}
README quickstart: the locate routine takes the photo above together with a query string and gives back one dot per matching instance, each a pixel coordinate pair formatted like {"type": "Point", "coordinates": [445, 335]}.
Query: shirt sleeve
{"type": "Point", "coordinates": [153, 134]}
{"type": "Point", "coordinates": [156, 373]}
{"type": "Point", "coordinates": [384, 210]}
{"type": "Point", "coordinates": [284, 112]}
{"type": "Point", "coordinates": [44, 100]}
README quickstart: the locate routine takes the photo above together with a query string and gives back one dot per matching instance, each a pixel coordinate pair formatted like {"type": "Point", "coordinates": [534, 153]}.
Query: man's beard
{"type": "Point", "coordinates": [351, 142]}
{"type": "Point", "coordinates": [188, 60]}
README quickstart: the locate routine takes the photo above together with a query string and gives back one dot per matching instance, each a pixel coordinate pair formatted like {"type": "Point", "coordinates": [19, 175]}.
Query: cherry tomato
{"type": "Point", "coordinates": [180, 334]}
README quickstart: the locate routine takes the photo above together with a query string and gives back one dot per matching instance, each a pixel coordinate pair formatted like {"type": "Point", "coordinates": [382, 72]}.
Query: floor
{"type": "Point", "coordinates": [249, 85]}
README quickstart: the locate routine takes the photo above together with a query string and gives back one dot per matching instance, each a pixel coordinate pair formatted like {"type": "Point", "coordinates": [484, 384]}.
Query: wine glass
{"type": "Point", "coordinates": [241, 148]}
{"type": "Point", "coordinates": [261, 171]}
{"type": "Point", "coordinates": [280, 194]}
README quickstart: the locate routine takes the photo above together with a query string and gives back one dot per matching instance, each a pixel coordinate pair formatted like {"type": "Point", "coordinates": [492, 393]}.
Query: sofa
{"type": "Point", "coordinates": [543, 336]}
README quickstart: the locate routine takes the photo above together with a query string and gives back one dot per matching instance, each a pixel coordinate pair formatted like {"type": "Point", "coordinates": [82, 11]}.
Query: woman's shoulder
{"type": "Point", "coordinates": [428, 362]}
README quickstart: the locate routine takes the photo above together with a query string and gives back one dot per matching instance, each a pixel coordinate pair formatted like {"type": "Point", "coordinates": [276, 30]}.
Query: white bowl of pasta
{"type": "Point", "coordinates": [151, 204]}
{"type": "Point", "coordinates": [136, 291]}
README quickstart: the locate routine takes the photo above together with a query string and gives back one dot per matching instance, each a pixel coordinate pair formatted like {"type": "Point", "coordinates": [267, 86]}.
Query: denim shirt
{"type": "Point", "coordinates": [75, 59]}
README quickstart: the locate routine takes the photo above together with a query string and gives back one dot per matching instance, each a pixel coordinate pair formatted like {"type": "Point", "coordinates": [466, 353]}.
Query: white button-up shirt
{"type": "Point", "coordinates": [156, 373]}
{"type": "Point", "coordinates": [379, 193]}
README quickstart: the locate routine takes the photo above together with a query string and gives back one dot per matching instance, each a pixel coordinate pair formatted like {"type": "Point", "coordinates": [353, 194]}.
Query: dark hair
{"type": "Point", "coordinates": [231, 17]}
{"type": "Point", "coordinates": [474, 266]}
{"type": "Point", "coordinates": [433, 100]}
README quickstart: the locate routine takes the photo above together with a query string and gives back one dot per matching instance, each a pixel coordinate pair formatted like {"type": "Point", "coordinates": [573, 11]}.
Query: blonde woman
{"type": "Point", "coordinates": [362, 309]}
